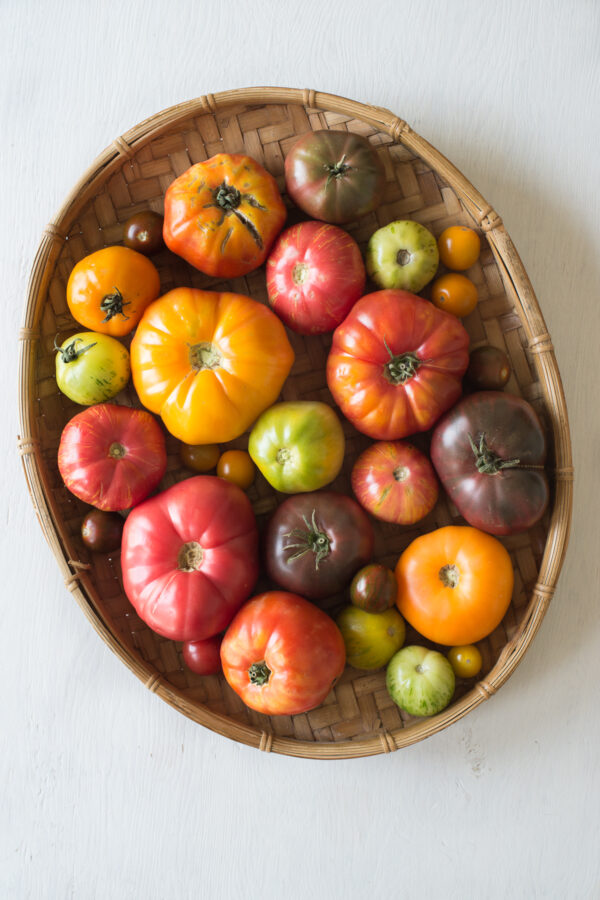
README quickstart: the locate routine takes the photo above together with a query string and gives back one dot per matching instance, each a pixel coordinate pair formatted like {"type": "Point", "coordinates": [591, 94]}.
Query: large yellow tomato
{"type": "Point", "coordinates": [209, 363]}
{"type": "Point", "coordinates": [454, 584]}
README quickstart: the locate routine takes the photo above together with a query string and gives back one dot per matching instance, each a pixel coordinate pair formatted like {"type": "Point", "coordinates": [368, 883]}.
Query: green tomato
{"type": "Point", "coordinates": [420, 681]}
{"type": "Point", "coordinates": [371, 638]}
{"type": "Point", "coordinates": [402, 255]}
{"type": "Point", "coordinates": [91, 368]}
{"type": "Point", "coordinates": [298, 446]}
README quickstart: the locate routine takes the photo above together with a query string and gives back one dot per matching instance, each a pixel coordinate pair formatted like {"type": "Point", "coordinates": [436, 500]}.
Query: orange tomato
{"type": "Point", "coordinates": [200, 457]}
{"type": "Point", "coordinates": [109, 290]}
{"type": "Point", "coordinates": [459, 247]}
{"type": "Point", "coordinates": [454, 584]}
{"type": "Point", "coordinates": [237, 466]}
{"type": "Point", "coordinates": [455, 293]}
{"type": "Point", "coordinates": [466, 660]}
{"type": "Point", "coordinates": [209, 363]}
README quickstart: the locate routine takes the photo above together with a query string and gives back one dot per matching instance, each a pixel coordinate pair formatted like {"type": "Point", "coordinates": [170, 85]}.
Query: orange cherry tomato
{"type": "Point", "coordinates": [199, 457]}
{"type": "Point", "coordinates": [454, 584]}
{"type": "Point", "coordinates": [466, 660]}
{"type": "Point", "coordinates": [455, 293]}
{"type": "Point", "coordinates": [459, 247]}
{"type": "Point", "coordinates": [237, 466]}
{"type": "Point", "coordinates": [109, 290]}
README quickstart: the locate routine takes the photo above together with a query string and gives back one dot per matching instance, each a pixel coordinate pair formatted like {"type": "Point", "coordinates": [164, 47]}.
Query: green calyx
{"type": "Point", "coordinates": [112, 305]}
{"type": "Point", "coordinates": [308, 540]}
{"type": "Point", "coordinates": [401, 368]}
{"type": "Point", "coordinates": [70, 353]}
{"type": "Point", "coordinates": [488, 462]}
{"type": "Point", "coordinates": [336, 170]}
{"type": "Point", "coordinates": [227, 196]}
{"type": "Point", "coordinates": [204, 355]}
{"type": "Point", "coordinates": [259, 673]}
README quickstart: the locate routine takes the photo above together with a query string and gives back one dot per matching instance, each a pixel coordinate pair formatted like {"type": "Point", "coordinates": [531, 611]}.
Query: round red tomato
{"type": "Point", "coordinates": [203, 657]}
{"type": "Point", "coordinates": [190, 557]}
{"type": "Point", "coordinates": [396, 364]}
{"type": "Point", "coordinates": [489, 452]}
{"type": "Point", "coordinates": [112, 456]}
{"type": "Point", "coordinates": [315, 274]}
{"type": "Point", "coordinates": [315, 543]}
{"type": "Point", "coordinates": [282, 654]}
{"type": "Point", "coordinates": [395, 482]}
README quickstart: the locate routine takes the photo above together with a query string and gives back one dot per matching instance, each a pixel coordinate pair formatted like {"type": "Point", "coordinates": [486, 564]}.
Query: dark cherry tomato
{"type": "Point", "coordinates": [199, 457]}
{"type": "Point", "coordinates": [374, 588]}
{"type": "Point", "coordinates": [489, 369]}
{"type": "Point", "coordinates": [237, 466]}
{"type": "Point", "coordinates": [144, 232]}
{"type": "Point", "coordinates": [203, 657]}
{"type": "Point", "coordinates": [101, 531]}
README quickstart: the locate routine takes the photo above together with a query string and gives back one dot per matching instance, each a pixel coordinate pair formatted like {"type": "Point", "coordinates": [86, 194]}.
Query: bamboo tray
{"type": "Point", "coordinates": [357, 718]}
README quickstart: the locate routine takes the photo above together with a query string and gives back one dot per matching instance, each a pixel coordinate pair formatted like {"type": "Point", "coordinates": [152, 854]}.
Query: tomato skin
{"type": "Point", "coordinates": [395, 482]}
{"type": "Point", "coordinates": [91, 367]}
{"type": "Point", "coordinates": [112, 456]}
{"type": "Point", "coordinates": [510, 499]}
{"type": "Point", "coordinates": [236, 466]}
{"type": "Point", "coordinates": [190, 557]}
{"type": "Point", "coordinates": [315, 274]}
{"type": "Point", "coordinates": [335, 176]}
{"type": "Point", "coordinates": [101, 531]}
{"type": "Point", "coordinates": [489, 369]}
{"type": "Point", "coordinates": [459, 247]}
{"type": "Point", "coordinates": [199, 457]}
{"type": "Point", "coordinates": [203, 657]}
{"type": "Point", "coordinates": [454, 293]}
{"type": "Point", "coordinates": [300, 645]}
{"type": "Point", "coordinates": [454, 584]}
{"type": "Point", "coordinates": [209, 363]}
{"type": "Point", "coordinates": [298, 445]}
{"type": "Point", "coordinates": [371, 638]}
{"type": "Point", "coordinates": [466, 660]}
{"type": "Point", "coordinates": [315, 543]}
{"type": "Point", "coordinates": [374, 588]}
{"type": "Point", "coordinates": [369, 382]}
{"type": "Point", "coordinates": [222, 215]}
{"type": "Point", "coordinates": [144, 232]}
{"type": "Point", "coordinates": [109, 290]}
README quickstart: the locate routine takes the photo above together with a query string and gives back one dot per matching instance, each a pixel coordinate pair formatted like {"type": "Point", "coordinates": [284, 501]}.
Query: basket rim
{"type": "Point", "coordinates": [516, 282]}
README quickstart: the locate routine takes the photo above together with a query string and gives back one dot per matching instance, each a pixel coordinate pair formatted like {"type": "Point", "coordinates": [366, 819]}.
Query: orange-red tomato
{"type": "Point", "coordinates": [199, 457]}
{"type": "Point", "coordinates": [454, 584]}
{"type": "Point", "coordinates": [466, 660]}
{"type": "Point", "coordinates": [109, 290]}
{"type": "Point", "coordinates": [237, 466]}
{"type": "Point", "coordinates": [459, 247]}
{"type": "Point", "coordinates": [455, 293]}
{"type": "Point", "coordinates": [395, 482]}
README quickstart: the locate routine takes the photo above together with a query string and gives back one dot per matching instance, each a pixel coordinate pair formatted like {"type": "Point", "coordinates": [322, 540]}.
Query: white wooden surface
{"type": "Point", "coordinates": [107, 792]}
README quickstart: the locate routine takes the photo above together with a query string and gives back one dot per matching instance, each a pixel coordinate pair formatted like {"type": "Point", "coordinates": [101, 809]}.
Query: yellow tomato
{"type": "Point", "coordinates": [455, 293]}
{"type": "Point", "coordinates": [466, 660]}
{"type": "Point", "coordinates": [371, 638]}
{"type": "Point", "coordinates": [236, 466]}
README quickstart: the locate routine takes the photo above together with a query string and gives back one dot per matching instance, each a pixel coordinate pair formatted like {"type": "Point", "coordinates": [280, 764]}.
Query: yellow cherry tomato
{"type": "Point", "coordinates": [455, 293]}
{"type": "Point", "coordinates": [236, 466]}
{"type": "Point", "coordinates": [199, 457]}
{"type": "Point", "coordinates": [459, 247]}
{"type": "Point", "coordinates": [466, 660]}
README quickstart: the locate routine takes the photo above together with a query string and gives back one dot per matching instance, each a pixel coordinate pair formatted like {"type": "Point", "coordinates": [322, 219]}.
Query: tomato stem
{"type": "Point", "coordinates": [400, 368]}
{"type": "Point", "coordinates": [190, 556]}
{"type": "Point", "coordinates": [69, 353]}
{"type": "Point", "coordinates": [259, 673]}
{"type": "Point", "coordinates": [204, 355]}
{"type": "Point", "coordinates": [488, 462]}
{"type": "Point", "coordinates": [311, 540]}
{"type": "Point", "coordinates": [112, 305]}
{"type": "Point", "coordinates": [336, 170]}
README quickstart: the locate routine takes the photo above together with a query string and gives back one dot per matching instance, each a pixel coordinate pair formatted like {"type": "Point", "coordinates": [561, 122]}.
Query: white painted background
{"type": "Point", "coordinates": [106, 791]}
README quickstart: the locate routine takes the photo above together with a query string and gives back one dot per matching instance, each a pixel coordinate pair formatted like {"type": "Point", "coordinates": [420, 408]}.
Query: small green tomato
{"type": "Point", "coordinates": [420, 681]}
{"type": "Point", "coordinates": [402, 255]}
{"type": "Point", "coordinates": [91, 368]}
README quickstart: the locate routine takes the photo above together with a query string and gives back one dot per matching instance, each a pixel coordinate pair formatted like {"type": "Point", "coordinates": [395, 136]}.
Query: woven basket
{"type": "Point", "coordinates": [358, 718]}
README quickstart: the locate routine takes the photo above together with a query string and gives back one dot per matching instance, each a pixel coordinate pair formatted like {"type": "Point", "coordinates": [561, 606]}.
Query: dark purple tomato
{"type": "Point", "coordinates": [374, 588]}
{"type": "Point", "coordinates": [335, 176]}
{"type": "Point", "coordinates": [489, 369]}
{"type": "Point", "coordinates": [315, 542]}
{"type": "Point", "coordinates": [489, 452]}
{"type": "Point", "coordinates": [101, 531]}
{"type": "Point", "coordinates": [203, 657]}
{"type": "Point", "coordinates": [144, 232]}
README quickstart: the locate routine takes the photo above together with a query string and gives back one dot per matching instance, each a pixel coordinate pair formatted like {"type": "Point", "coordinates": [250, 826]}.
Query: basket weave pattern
{"type": "Point", "coordinates": [358, 717]}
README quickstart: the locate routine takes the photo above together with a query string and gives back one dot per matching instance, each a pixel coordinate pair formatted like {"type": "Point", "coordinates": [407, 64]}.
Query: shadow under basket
{"type": "Point", "coordinates": [358, 718]}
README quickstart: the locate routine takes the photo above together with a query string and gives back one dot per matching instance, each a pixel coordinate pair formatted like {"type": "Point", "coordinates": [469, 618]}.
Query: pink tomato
{"type": "Point", "coordinates": [395, 482]}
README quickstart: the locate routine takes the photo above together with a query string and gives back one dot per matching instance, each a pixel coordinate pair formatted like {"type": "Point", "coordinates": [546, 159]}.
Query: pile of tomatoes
{"type": "Point", "coordinates": [211, 366]}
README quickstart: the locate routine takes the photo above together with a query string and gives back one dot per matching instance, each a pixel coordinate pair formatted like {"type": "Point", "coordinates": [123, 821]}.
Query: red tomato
{"type": "Point", "coordinates": [203, 657]}
{"type": "Point", "coordinates": [190, 557]}
{"type": "Point", "coordinates": [395, 482]}
{"type": "Point", "coordinates": [315, 275]}
{"type": "Point", "coordinates": [112, 456]}
{"type": "Point", "coordinates": [282, 654]}
{"type": "Point", "coordinates": [396, 364]}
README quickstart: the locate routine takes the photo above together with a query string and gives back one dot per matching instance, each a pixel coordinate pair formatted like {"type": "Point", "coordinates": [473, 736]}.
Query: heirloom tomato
{"type": "Point", "coordinates": [489, 452]}
{"type": "Point", "coordinates": [455, 293]}
{"type": "Point", "coordinates": [203, 657]}
{"type": "Point", "coordinates": [236, 466]}
{"type": "Point", "coordinates": [190, 557]}
{"type": "Point", "coordinates": [222, 215]}
{"type": "Point", "coordinates": [144, 232]}
{"type": "Point", "coordinates": [454, 584]}
{"type": "Point", "coordinates": [396, 364]}
{"type": "Point", "coordinates": [466, 660]}
{"type": "Point", "coordinates": [316, 542]}
{"type": "Point", "coordinates": [489, 369]}
{"type": "Point", "coordinates": [374, 588]}
{"type": "Point", "coordinates": [199, 457]}
{"type": "Point", "coordinates": [371, 638]}
{"type": "Point", "coordinates": [282, 654]}
{"type": "Point", "coordinates": [298, 445]}
{"type": "Point", "coordinates": [459, 247]}
{"type": "Point", "coordinates": [335, 176]}
{"type": "Point", "coordinates": [209, 363]}
{"type": "Point", "coordinates": [420, 681]}
{"type": "Point", "coordinates": [112, 456]}
{"type": "Point", "coordinates": [402, 254]}
{"type": "Point", "coordinates": [109, 290]}
{"type": "Point", "coordinates": [101, 531]}
{"type": "Point", "coordinates": [395, 482]}
{"type": "Point", "coordinates": [91, 367]}
{"type": "Point", "coordinates": [315, 274]}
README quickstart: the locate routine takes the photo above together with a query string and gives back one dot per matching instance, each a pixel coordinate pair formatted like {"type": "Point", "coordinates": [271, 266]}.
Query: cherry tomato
{"type": "Point", "coordinates": [459, 247]}
{"type": "Point", "coordinates": [489, 369]}
{"type": "Point", "coordinates": [101, 531]}
{"type": "Point", "coordinates": [203, 657]}
{"type": "Point", "coordinates": [236, 466]}
{"type": "Point", "coordinates": [144, 232]}
{"type": "Point", "coordinates": [199, 457]}
{"type": "Point", "coordinates": [374, 588]}
{"type": "Point", "coordinates": [465, 660]}
{"type": "Point", "coordinates": [455, 293]}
